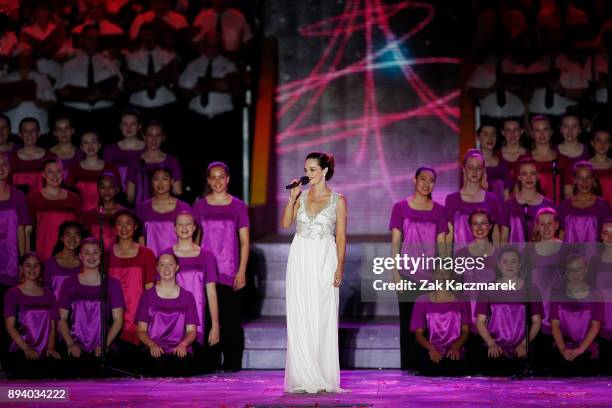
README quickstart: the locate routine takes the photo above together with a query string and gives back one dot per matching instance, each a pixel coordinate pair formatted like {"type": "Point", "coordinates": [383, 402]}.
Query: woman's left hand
{"type": "Point", "coordinates": [338, 278]}
{"type": "Point", "coordinates": [213, 336]}
{"type": "Point", "coordinates": [53, 353]}
{"type": "Point", "coordinates": [240, 280]}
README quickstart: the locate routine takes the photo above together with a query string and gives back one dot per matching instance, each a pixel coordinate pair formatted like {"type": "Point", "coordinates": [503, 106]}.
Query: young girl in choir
{"type": "Point", "coordinates": [601, 271]}
{"type": "Point", "coordinates": [50, 207]}
{"type": "Point", "coordinates": [133, 265]}
{"type": "Point", "coordinates": [158, 213]}
{"type": "Point", "coordinates": [65, 261]}
{"type": "Point", "coordinates": [167, 320]}
{"type": "Point", "coordinates": [602, 163]}
{"type": "Point", "coordinates": [470, 198]}
{"type": "Point", "coordinates": [570, 151]}
{"type": "Point", "coordinates": [418, 225]}
{"type": "Point", "coordinates": [30, 315]}
{"type": "Point", "coordinates": [498, 173]}
{"type": "Point", "coordinates": [520, 210]}
{"type": "Point", "coordinates": [152, 158]}
{"type": "Point", "coordinates": [198, 275]}
{"type": "Point", "coordinates": [225, 233]}
{"type": "Point", "coordinates": [27, 161]}
{"type": "Point", "coordinates": [545, 156]}
{"type": "Point", "coordinates": [582, 215]}
{"type": "Point", "coordinates": [575, 316]}
{"type": "Point", "coordinates": [80, 312]}
{"type": "Point", "coordinates": [63, 131]}
{"type": "Point", "coordinates": [108, 189]}
{"type": "Point", "coordinates": [513, 144]}
{"type": "Point", "coordinates": [501, 316]}
{"type": "Point", "coordinates": [440, 322]}
{"type": "Point", "coordinates": [125, 154]}
{"type": "Point", "coordinates": [84, 175]}
{"type": "Point", "coordinates": [14, 219]}
{"type": "Point", "coordinates": [545, 259]}
{"type": "Point", "coordinates": [6, 146]}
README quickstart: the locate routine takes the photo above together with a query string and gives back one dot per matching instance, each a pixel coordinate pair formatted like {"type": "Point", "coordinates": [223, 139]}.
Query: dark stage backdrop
{"type": "Point", "coordinates": [375, 83]}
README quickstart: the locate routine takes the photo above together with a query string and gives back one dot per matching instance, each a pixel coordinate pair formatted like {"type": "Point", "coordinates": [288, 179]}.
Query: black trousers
{"type": "Point", "coordinates": [408, 345]}
{"type": "Point", "coordinates": [5, 339]}
{"type": "Point", "coordinates": [18, 366]}
{"type": "Point", "coordinates": [204, 140]}
{"type": "Point", "coordinates": [605, 353]}
{"type": "Point", "coordinates": [446, 367]}
{"type": "Point", "coordinates": [168, 365]}
{"type": "Point", "coordinates": [231, 345]}
{"type": "Point", "coordinates": [582, 366]}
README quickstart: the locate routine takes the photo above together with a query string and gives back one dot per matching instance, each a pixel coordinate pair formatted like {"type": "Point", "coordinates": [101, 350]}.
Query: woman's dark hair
{"type": "Point", "coordinates": [124, 212]}
{"type": "Point", "coordinates": [112, 177]}
{"type": "Point", "coordinates": [29, 119]}
{"type": "Point", "coordinates": [22, 260]}
{"type": "Point", "coordinates": [131, 112]}
{"type": "Point", "coordinates": [326, 161]}
{"type": "Point", "coordinates": [59, 244]}
{"type": "Point", "coordinates": [163, 168]}
{"type": "Point", "coordinates": [425, 168]}
{"type": "Point", "coordinates": [6, 119]}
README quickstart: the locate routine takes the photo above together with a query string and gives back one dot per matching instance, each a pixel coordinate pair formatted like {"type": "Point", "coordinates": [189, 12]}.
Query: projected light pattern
{"type": "Point", "coordinates": [362, 136]}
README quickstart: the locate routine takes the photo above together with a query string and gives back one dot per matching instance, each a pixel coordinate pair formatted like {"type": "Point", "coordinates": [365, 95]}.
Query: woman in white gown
{"type": "Point", "coordinates": [314, 275]}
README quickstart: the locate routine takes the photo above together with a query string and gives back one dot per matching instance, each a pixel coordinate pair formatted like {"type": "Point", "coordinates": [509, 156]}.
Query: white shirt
{"type": "Point", "coordinates": [601, 67]}
{"type": "Point", "coordinates": [74, 72]}
{"type": "Point", "coordinates": [138, 61]}
{"type": "Point", "coordinates": [44, 92]}
{"type": "Point", "coordinates": [236, 30]}
{"type": "Point", "coordinates": [217, 102]}
{"type": "Point", "coordinates": [172, 18]}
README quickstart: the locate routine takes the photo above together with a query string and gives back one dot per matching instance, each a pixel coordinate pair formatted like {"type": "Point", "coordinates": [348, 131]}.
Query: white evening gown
{"type": "Point", "coordinates": [312, 363]}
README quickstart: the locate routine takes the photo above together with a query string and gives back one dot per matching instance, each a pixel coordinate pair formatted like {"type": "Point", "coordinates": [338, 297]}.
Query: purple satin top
{"type": "Point", "coordinates": [167, 318]}
{"type": "Point", "coordinates": [13, 213]}
{"type": "Point", "coordinates": [33, 317]}
{"type": "Point", "coordinates": [420, 229]}
{"type": "Point", "coordinates": [575, 317]}
{"type": "Point", "coordinates": [458, 212]}
{"type": "Point", "coordinates": [83, 305]}
{"type": "Point", "coordinates": [55, 275]}
{"type": "Point", "coordinates": [506, 315]}
{"type": "Point", "coordinates": [124, 160]}
{"type": "Point", "coordinates": [602, 273]}
{"type": "Point", "coordinates": [220, 225]}
{"type": "Point", "coordinates": [441, 321]}
{"type": "Point", "coordinates": [499, 179]}
{"type": "Point", "coordinates": [159, 227]}
{"type": "Point", "coordinates": [514, 218]}
{"type": "Point", "coordinates": [582, 225]}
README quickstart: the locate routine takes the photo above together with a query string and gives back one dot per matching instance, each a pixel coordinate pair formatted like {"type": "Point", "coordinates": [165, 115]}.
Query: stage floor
{"type": "Point", "coordinates": [379, 388]}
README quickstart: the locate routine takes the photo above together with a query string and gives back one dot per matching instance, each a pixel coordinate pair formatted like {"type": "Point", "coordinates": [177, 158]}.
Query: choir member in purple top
{"type": "Point", "coordinates": [198, 275]}
{"type": "Point", "coordinates": [601, 271]}
{"type": "Point", "coordinates": [528, 197]}
{"type": "Point", "coordinates": [125, 154]}
{"type": "Point", "coordinates": [501, 316]}
{"type": "Point", "coordinates": [84, 175]}
{"type": "Point", "coordinates": [582, 215]}
{"type": "Point", "coordinates": [158, 213]}
{"type": "Point", "coordinates": [499, 180]}
{"type": "Point", "coordinates": [51, 206]}
{"type": "Point", "coordinates": [602, 162]}
{"type": "Point", "coordinates": [471, 197]}
{"type": "Point", "coordinates": [6, 146]}
{"type": "Point", "coordinates": [570, 151]}
{"type": "Point", "coordinates": [418, 226]}
{"type": "Point", "coordinates": [27, 161]}
{"type": "Point", "coordinates": [63, 130]}
{"type": "Point", "coordinates": [30, 314]}
{"type": "Point", "coordinates": [80, 311]}
{"type": "Point", "coordinates": [545, 259]}
{"type": "Point", "coordinates": [513, 145]}
{"type": "Point", "coordinates": [440, 322]}
{"type": "Point", "coordinates": [576, 315]}
{"type": "Point", "coordinates": [65, 261]}
{"type": "Point", "coordinates": [481, 247]}
{"type": "Point", "coordinates": [225, 233]}
{"type": "Point", "coordinates": [139, 188]}
{"type": "Point", "coordinates": [14, 220]}
{"type": "Point", "coordinates": [167, 320]}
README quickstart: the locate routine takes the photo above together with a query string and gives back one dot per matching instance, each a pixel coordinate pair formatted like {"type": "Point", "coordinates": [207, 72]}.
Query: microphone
{"type": "Point", "coordinates": [303, 180]}
{"type": "Point", "coordinates": [525, 208]}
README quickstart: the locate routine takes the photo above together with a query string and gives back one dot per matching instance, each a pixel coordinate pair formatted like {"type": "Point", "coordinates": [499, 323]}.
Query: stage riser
{"type": "Point", "coordinates": [268, 268]}
{"type": "Point", "coordinates": [275, 359]}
